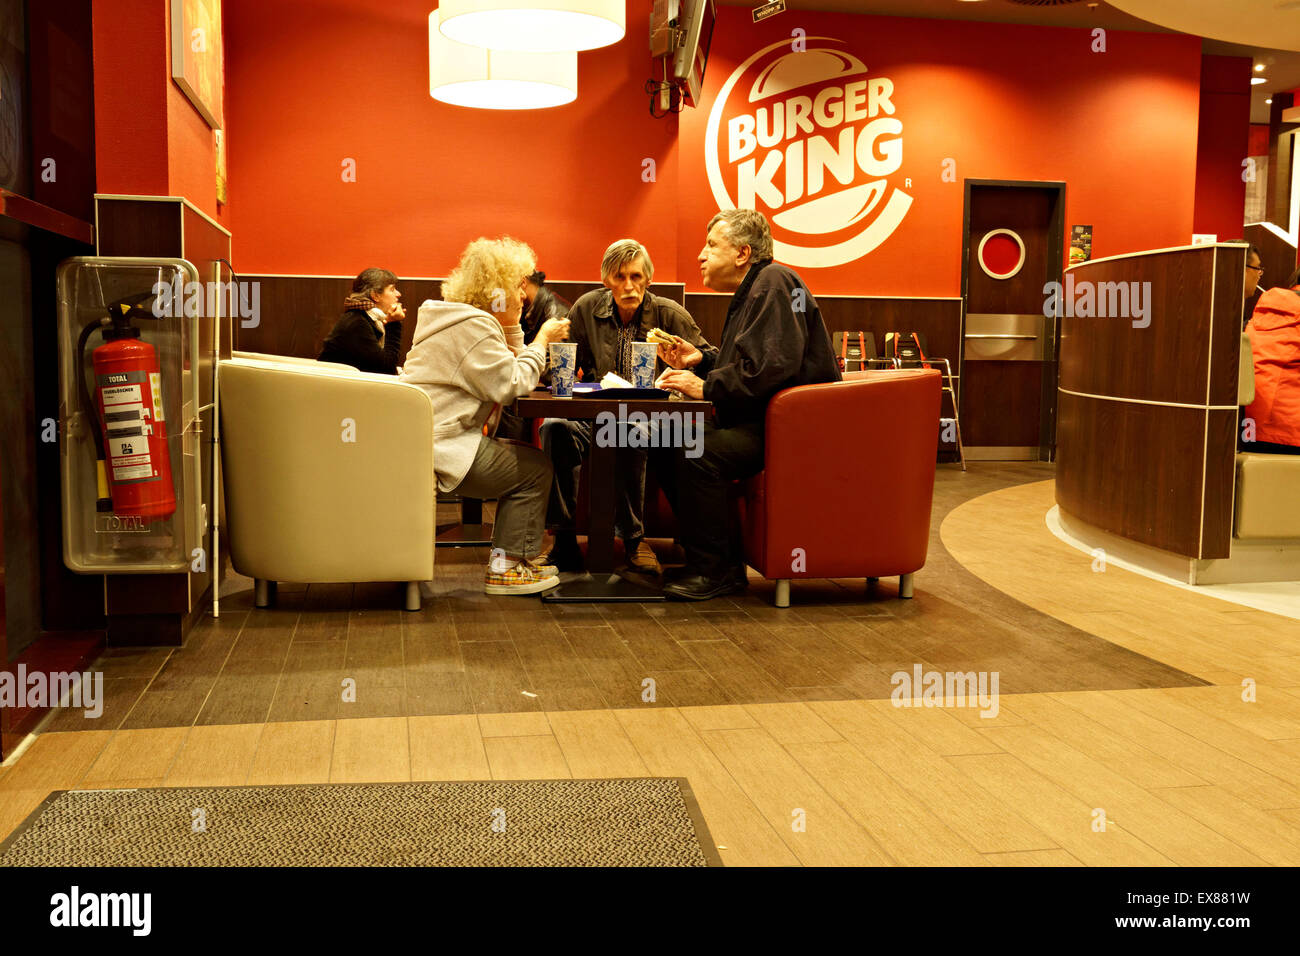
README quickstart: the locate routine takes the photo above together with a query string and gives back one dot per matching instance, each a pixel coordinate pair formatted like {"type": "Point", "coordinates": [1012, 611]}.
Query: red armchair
{"type": "Point", "coordinates": [848, 481]}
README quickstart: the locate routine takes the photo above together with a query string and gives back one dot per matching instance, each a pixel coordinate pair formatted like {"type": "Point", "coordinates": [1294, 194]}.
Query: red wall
{"type": "Point", "coordinates": [1223, 143]}
{"type": "Point", "coordinates": [1004, 102]}
{"type": "Point", "coordinates": [305, 90]}
{"type": "Point", "coordinates": [1258, 145]}
{"type": "Point", "coordinates": [149, 138]}
{"type": "Point", "coordinates": [130, 96]}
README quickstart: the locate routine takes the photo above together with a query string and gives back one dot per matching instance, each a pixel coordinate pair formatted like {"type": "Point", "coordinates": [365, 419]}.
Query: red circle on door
{"type": "Point", "coordinates": [1001, 253]}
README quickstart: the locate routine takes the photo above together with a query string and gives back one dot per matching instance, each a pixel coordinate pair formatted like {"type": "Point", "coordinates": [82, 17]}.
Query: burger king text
{"type": "Point", "coordinates": [876, 147]}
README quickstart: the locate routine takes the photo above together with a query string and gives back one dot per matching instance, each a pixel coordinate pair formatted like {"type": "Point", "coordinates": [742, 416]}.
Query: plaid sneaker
{"type": "Point", "coordinates": [548, 570]}
{"type": "Point", "coordinates": [523, 578]}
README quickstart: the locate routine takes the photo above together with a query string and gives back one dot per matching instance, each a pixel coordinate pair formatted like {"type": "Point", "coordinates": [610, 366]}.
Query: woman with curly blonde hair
{"type": "Point", "coordinates": [468, 354]}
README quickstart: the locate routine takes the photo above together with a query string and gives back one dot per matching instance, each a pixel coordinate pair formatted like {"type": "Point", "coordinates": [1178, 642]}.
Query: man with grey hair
{"type": "Point", "coordinates": [604, 323]}
{"type": "Point", "coordinates": [774, 338]}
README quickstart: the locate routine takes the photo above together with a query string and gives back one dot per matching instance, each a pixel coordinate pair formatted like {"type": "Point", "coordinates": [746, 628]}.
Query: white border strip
{"type": "Point", "coordinates": [405, 278]}
{"type": "Point", "coordinates": [1154, 252]}
{"type": "Point", "coordinates": [1147, 401]}
{"type": "Point", "coordinates": [552, 281]}
{"type": "Point", "coordinates": [1209, 370]}
{"type": "Point", "coordinates": [1275, 597]}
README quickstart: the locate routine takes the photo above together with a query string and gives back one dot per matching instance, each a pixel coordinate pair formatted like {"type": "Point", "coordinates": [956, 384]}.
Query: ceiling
{"type": "Point", "coordinates": [1251, 28]}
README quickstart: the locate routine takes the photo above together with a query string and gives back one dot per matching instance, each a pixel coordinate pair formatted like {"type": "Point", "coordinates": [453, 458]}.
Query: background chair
{"type": "Point", "coordinates": [848, 481]}
{"type": "Point", "coordinates": [854, 350]}
{"type": "Point", "coordinates": [305, 504]}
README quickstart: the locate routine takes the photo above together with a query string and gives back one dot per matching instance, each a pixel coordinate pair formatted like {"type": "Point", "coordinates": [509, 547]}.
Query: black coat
{"type": "Point", "coordinates": [546, 305]}
{"type": "Point", "coordinates": [774, 338]}
{"type": "Point", "coordinates": [356, 341]}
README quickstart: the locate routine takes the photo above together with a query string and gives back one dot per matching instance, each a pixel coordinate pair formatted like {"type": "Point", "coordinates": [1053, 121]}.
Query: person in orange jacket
{"type": "Point", "coordinates": [1274, 331]}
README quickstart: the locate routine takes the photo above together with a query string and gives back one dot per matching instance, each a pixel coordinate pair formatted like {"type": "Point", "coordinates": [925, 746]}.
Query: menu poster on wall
{"type": "Point", "coordinates": [1080, 244]}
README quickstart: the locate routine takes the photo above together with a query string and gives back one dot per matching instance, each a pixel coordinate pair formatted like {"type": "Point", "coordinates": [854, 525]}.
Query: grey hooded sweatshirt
{"type": "Point", "coordinates": [460, 357]}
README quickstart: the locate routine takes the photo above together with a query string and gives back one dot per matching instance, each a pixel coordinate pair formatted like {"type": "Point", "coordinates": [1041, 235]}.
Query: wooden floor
{"type": "Point", "coordinates": [1135, 747]}
{"type": "Point", "coordinates": [470, 653]}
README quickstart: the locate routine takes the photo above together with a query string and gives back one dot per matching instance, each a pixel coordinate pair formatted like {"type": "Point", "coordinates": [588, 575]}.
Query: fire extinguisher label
{"type": "Point", "coordinates": [126, 432]}
{"type": "Point", "coordinates": [155, 389]}
{"type": "Point", "coordinates": [122, 394]}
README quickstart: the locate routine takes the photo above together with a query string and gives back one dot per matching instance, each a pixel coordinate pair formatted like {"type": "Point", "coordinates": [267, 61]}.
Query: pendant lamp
{"type": "Point", "coordinates": [471, 76]}
{"type": "Point", "coordinates": [538, 26]}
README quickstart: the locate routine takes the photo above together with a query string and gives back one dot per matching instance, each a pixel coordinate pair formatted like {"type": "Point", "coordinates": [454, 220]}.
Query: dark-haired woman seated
{"type": "Point", "coordinates": [368, 336]}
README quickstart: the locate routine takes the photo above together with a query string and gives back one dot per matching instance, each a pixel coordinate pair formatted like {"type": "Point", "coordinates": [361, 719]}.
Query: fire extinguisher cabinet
{"type": "Point", "coordinates": [128, 413]}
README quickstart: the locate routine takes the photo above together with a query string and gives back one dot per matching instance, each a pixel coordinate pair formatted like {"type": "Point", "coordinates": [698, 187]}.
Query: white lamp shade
{"type": "Point", "coordinates": [498, 79]}
{"type": "Point", "coordinates": [538, 26]}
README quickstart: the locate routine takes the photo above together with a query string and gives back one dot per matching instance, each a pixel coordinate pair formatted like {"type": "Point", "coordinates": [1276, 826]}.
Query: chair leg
{"type": "Point", "coordinates": [871, 583]}
{"type": "Point", "coordinates": [783, 592]}
{"type": "Point", "coordinates": [262, 592]}
{"type": "Point", "coordinates": [905, 586]}
{"type": "Point", "coordinates": [413, 595]}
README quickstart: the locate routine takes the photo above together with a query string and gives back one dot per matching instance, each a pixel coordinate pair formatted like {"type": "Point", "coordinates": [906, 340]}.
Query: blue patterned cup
{"type": "Point", "coordinates": [644, 357]}
{"type": "Point", "coordinates": [564, 368]}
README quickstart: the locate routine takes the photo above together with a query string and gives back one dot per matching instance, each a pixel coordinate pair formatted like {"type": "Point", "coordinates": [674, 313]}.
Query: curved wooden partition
{"type": "Point", "coordinates": [1146, 433]}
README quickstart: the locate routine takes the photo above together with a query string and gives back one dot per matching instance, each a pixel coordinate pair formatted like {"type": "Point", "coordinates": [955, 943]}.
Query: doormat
{"type": "Point", "coordinates": [647, 821]}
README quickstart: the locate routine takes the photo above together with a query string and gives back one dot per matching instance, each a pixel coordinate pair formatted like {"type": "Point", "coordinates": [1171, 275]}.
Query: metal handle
{"type": "Point", "coordinates": [971, 335]}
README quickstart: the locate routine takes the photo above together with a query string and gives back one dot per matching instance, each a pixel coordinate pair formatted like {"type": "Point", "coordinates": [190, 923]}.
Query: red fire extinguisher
{"type": "Point", "coordinates": [134, 467]}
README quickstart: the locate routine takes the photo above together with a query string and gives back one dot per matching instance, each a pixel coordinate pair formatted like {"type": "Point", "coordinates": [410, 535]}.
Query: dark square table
{"type": "Point", "coordinates": [600, 583]}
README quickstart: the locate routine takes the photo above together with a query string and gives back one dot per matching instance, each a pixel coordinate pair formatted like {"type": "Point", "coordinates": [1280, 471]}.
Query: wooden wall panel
{"type": "Point", "coordinates": [298, 312]}
{"type": "Point", "coordinates": [44, 606]}
{"type": "Point", "coordinates": [1133, 469]}
{"type": "Point", "coordinates": [62, 84]}
{"type": "Point", "coordinates": [21, 463]}
{"type": "Point", "coordinates": [939, 320]}
{"type": "Point", "coordinates": [1001, 403]}
{"type": "Point", "coordinates": [1168, 361]}
{"type": "Point", "coordinates": [137, 227]}
{"type": "Point", "coordinates": [1147, 416]}
{"type": "Point", "coordinates": [1225, 336]}
{"type": "Point", "coordinates": [1220, 482]}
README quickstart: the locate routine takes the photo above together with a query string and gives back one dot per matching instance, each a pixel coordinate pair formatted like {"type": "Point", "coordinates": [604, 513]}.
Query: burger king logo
{"type": "Point", "coordinates": [809, 138]}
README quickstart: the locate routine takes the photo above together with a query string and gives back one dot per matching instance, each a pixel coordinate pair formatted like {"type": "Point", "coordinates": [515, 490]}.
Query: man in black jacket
{"type": "Point", "coordinates": [774, 338]}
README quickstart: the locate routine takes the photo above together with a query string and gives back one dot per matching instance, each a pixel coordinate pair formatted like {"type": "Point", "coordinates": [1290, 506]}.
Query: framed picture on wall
{"type": "Point", "coordinates": [219, 141]}
{"type": "Point", "coordinates": [197, 65]}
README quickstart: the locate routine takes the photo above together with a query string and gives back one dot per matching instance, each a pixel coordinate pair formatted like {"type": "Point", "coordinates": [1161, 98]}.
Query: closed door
{"type": "Point", "coordinates": [1013, 246]}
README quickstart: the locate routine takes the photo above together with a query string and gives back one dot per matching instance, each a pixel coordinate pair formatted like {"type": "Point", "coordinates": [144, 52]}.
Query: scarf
{"type": "Point", "coordinates": [363, 303]}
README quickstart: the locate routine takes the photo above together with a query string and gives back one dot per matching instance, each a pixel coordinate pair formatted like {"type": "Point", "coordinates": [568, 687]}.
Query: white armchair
{"type": "Point", "coordinates": [328, 475]}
